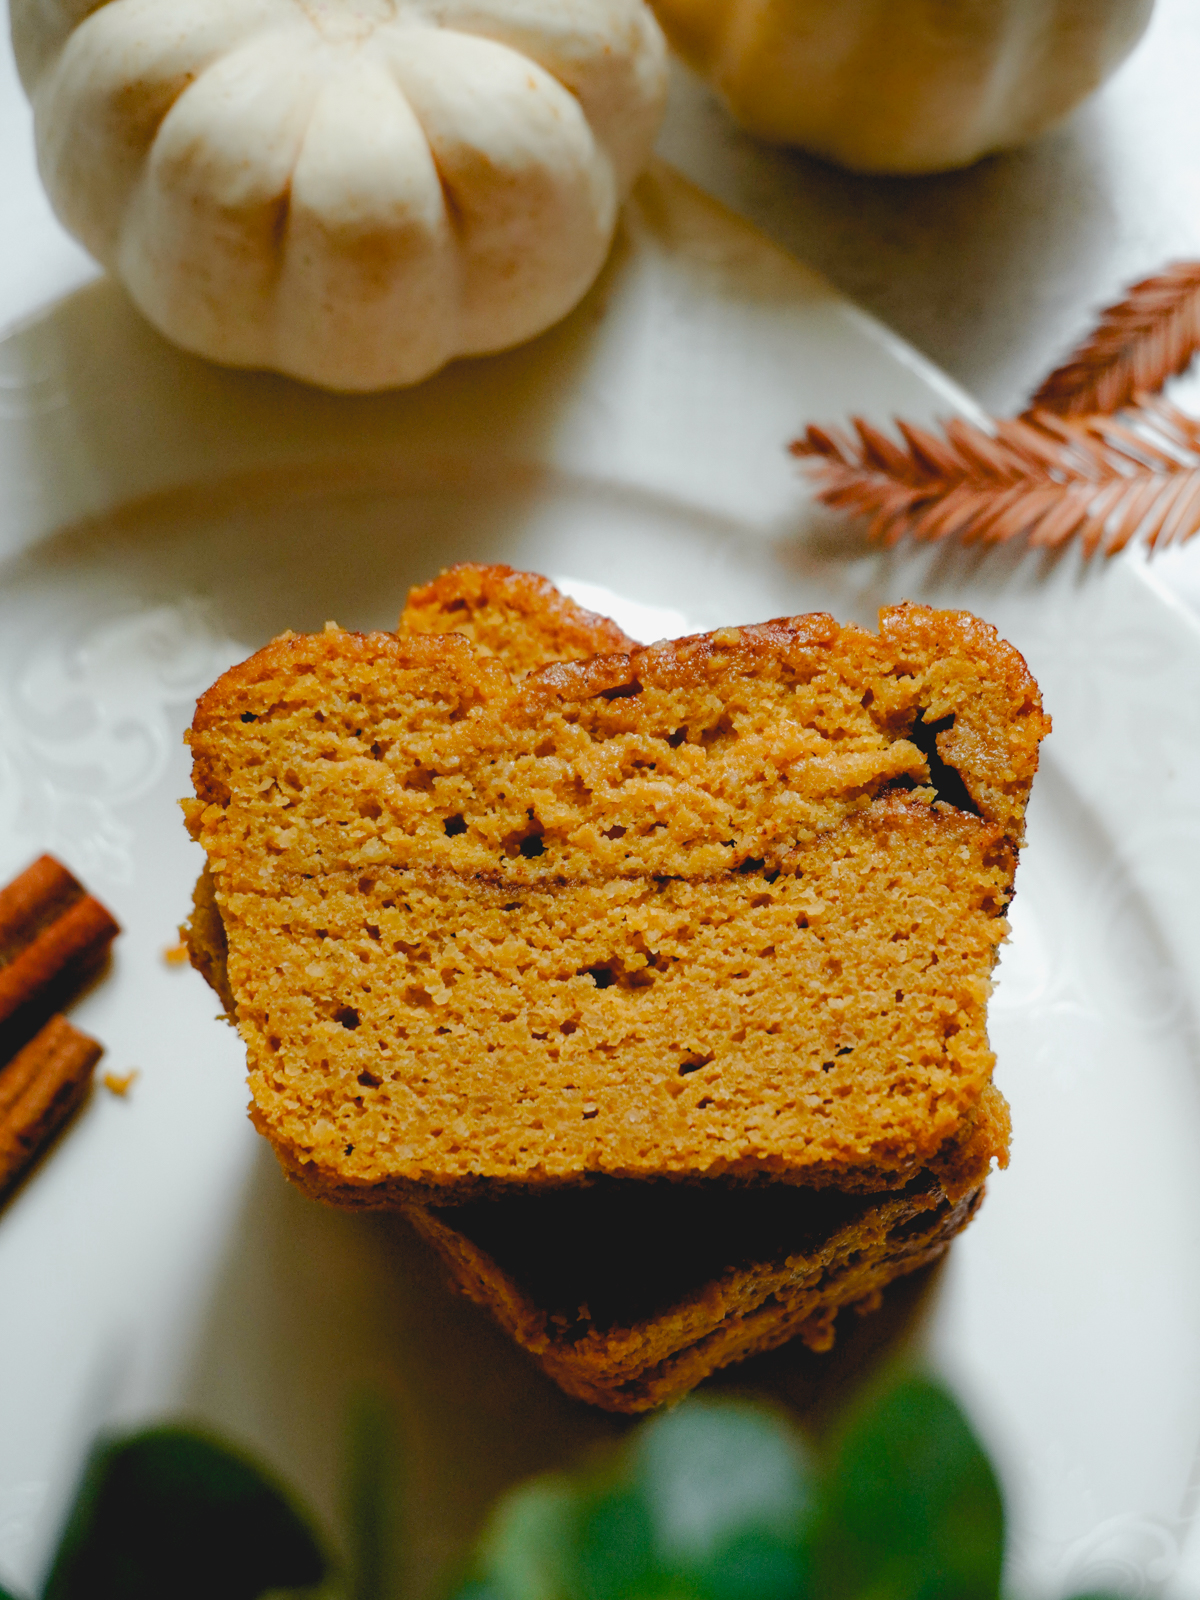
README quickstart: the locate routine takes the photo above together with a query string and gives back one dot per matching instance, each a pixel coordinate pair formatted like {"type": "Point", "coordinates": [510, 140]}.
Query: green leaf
{"type": "Point", "coordinates": [913, 1510]}
{"type": "Point", "coordinates": [526, 1552]}
{"type": "Point", "coordinates": [373, 1503]}
{"type": "Point", "coordinates": [708, 1502]}
{"type": "Point", "coordinates": [169, 1512]}
{"type": "Point", "coordinates": [729, 1496]}
{"type": "Point", "coordinates": [7, 1594]}
{"type": "Point", "coordinates": [613, 1554]}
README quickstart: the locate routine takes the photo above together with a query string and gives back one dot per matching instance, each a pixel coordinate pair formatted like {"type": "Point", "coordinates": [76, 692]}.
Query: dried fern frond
{"type": "Point", "coordinates": [1049, 479]}
{"type": "Point", "coordinates": [1137, 345]}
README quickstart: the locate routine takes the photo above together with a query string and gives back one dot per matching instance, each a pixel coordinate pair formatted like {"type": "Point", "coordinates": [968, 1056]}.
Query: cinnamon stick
{"type": "Point", "coordinates": [53, 935]}
{"type": "Point", "coordinates": [39, 1089]}
{"type": "Point", "coordinates": [35, 897]}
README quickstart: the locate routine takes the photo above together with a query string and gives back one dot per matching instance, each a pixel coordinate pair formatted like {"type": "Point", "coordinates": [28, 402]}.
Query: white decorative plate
{"type": "Point", "coordinates": [160, 518]}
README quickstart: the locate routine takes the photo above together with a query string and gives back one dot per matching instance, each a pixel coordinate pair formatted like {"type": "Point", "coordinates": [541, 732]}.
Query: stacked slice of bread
{"type": "Point", "coordinates": [516, 916]}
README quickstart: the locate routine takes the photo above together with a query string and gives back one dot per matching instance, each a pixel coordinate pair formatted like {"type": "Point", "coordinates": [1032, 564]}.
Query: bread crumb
{"type": "Point", "coordinates": [120, 1083]}
{"type": "Point", "coordinates": [176, 955]}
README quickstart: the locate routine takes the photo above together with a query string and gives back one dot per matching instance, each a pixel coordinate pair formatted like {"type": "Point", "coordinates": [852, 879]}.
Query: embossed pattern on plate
{"type": "Point", "coordinates": [158, 1261]}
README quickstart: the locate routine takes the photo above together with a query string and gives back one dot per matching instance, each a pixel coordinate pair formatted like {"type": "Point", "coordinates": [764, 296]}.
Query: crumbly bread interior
{"type": "Point", "coordinates": [346, 752]}
{"type": "Point", "coordinates": [685, 911]}
{"type": "Point", "coordinates": [518, 616]}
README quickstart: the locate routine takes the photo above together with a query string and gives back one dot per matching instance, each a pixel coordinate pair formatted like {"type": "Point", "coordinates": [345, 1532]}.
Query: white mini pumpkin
{"type": "Point", "coordinates": [350, 191]}
{"type": "Point", "coordinates": [903, 85]}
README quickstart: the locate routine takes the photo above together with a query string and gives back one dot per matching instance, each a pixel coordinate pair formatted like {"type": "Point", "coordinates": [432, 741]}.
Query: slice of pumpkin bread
{"type": "Point", "coordinates": [629, 1293]}
{"type": "Point", "coordinates": [726, 906]}
{"type": "Point", "coordinates": [778, 1262]}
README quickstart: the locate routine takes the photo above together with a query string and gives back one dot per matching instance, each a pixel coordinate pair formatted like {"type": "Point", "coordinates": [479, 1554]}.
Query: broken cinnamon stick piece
{"type": "Point", "coordinates": [53, 935]}
{"type": "Point", "coordinates": [31, 900]}
{"type": "Point", "coordinates": [39, 1089]}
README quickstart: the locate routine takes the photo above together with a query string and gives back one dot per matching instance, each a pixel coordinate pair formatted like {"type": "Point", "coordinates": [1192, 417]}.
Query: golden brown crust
{"type": "Point", "coordinates": [519, 616]}
{"type": "Point", "coordinates": [203, 936]}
